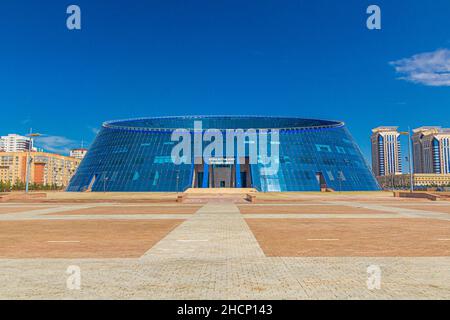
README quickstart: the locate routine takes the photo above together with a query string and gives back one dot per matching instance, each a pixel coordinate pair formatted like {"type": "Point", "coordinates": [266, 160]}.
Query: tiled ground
{"type": "Point", "coordinates": [13, 209]}
{"type": "Point", "coordinates": [82, 238]}
{"type": "Point", "coordinates": [133, 209]}
{"type": "Point", "coordinates": [305, 208]}
{"type": "Point", "coordinates": [273, 251]}
{"type": "Point", "coordinates": [405, 237]}
{"type": "Point", "coordinates": [441, 207]}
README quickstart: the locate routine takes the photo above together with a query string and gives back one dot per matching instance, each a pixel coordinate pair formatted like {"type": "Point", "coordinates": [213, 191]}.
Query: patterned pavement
{"type": "Point", "coordinates": [213, 254]}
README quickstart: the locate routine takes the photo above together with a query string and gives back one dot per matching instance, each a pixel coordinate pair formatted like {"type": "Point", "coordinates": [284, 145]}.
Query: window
{"type": "Point", "coordinates": [323, 148]}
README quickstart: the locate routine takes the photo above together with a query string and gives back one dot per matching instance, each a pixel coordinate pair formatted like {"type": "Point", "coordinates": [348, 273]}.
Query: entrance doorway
{"type": "Point", "coordinates": [321, 180]}
{"type": "Point", "coordinates": [221, 176]}
{"type": "Point", "coordinates": [222, 173]}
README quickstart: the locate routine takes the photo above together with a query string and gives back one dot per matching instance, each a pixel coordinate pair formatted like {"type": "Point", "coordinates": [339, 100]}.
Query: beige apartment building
{"type": "Point", "coordinates": [431, 148]}
{"type": "Point", "coordinates": [46, 168]}
{"type": "Point", "coordinates": [386, 153]}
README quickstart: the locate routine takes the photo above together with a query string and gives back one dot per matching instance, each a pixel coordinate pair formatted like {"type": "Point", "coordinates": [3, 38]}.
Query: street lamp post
{"type": "Point", "coordinates": [29, 160]}
{"type": "Point", "coordinates": [340, 179]}
{"type": "Point", "coordinates": [411, 174]}
{"type": "Point", "coordinates": [178, 178]}
{"type": "Point", "coordinates": [105, 179]}
{"type": "Point", "coordinates": [392, 182]}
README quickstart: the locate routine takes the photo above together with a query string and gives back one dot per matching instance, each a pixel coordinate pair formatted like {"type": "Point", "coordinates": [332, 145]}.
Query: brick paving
{"type": "Point", "coordinates": [104, 210]}
{"type": "Point", "coordinates": [400, 237]}
{"type": "Point", "coordinates": [213, 254]}
{"type": "Point", "coordinates": [441, 207]}
{"type": "Point", "coordinates": [314, 208]}
{"type": "Point", "coordinates": [81, 239]}
{"type": "Point", "coordinates": [11, 209]}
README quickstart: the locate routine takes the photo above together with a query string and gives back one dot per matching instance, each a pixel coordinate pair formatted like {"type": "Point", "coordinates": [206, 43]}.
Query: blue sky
{"type": "Point", "coordinates": [313, 59]}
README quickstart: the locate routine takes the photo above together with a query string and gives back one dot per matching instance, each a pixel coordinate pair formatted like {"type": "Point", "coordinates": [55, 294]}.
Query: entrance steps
{"type": "Point", "coordinates": [221, 191]}
{"type": "Point", "coordinates": [204, 195]}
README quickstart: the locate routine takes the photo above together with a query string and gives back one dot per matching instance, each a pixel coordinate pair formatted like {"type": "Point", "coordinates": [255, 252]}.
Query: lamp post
{"type": "Point", "coordinates": [340, 179]}
{"type": "Point", "coordinates": [178, 179]}
{"type": "Point", "coordinates": [29, 160]}
{"type": "Point", "coordinates": [105, 179]}
{"type": "Point", "coordinates": [411, 174]}
{"type": "Point", "coordinates": [392, 181]}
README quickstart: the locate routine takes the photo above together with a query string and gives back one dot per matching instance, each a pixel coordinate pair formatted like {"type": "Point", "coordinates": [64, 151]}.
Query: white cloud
{"type": "Point", "coordinates": [25, 121]}
{"type": "Point", "coordinates": [429, 68]}
{"type": "Point", "coordinates": [94, 130]}
{"type": "Point", "coordinates": [56, 144]}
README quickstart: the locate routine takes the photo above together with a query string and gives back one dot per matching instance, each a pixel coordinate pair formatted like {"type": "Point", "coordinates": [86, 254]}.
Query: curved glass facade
{"type": "Point", "coordinates": [135, 155]}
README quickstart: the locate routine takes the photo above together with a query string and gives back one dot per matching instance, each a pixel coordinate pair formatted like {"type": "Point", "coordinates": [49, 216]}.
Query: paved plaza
{"type": "Point", "coordinates": [318, 247]}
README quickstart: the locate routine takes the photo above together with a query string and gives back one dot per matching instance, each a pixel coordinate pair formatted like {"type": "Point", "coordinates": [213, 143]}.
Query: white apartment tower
{"type": "Point", "coordinates": [15, 143]}
{"type": "Point", "coordinates": [386, 153]}
{"type": "Point", "coordinates": [78, 153]}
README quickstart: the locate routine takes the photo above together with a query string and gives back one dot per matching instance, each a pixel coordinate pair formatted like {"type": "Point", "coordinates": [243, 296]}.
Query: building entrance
{"type": "Point", "coordinates": [222, 173]}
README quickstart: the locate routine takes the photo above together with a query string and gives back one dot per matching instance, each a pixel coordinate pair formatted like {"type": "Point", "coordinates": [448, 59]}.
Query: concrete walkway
{"type": "Point", "coordinates": [217, 230]}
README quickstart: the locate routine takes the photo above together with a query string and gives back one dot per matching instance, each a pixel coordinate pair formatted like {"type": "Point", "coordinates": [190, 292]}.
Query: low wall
{"type": "Point", "coordinates": [22, 196]}
{"type": "Point", "coordinates": [417, 195]}
{"type": "Point", "coordinates": [152, 197]}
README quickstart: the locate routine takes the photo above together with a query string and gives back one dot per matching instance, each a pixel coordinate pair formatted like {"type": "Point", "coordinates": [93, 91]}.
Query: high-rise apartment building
{"type": "Point", "coordinates": [15, 143]}
{"type": "Point", "coordinates": [45, 169]}
{"type": "Point", "coordinates": [386, 153]}
{"type": "Point", "coordinates": [78, 153]}
{"type": "Point", "coordinates": [431, 149]}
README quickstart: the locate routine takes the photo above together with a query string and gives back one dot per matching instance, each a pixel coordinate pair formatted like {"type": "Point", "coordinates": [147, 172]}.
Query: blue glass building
{"type": "Point", "coordinates": [135, 155]}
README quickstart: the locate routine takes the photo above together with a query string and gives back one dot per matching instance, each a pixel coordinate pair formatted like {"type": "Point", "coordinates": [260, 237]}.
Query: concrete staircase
{"type": "Point", "coordinates": [204, 195]}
